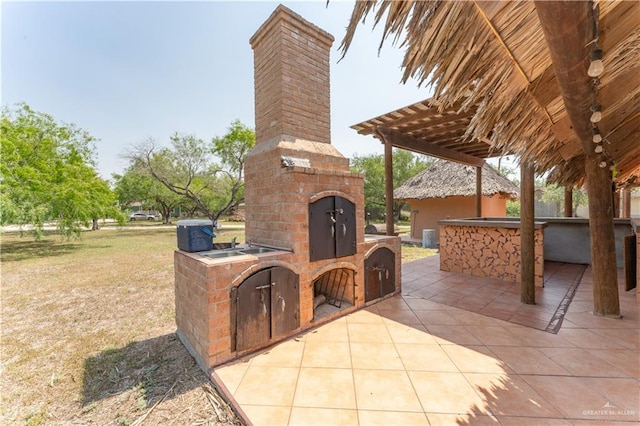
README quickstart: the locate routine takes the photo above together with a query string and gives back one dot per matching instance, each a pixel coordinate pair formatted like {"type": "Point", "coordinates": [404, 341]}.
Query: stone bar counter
{"type": "Point", "coordinates": [488, 247]}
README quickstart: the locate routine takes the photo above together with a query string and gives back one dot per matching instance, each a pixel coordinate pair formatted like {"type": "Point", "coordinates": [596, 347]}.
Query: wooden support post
{"type": "Point", "coordinates": [626, 202]}
{"type": "Point", "coordinates": [569, 31]}
{"type": "Point", "coordinates": [606, 301]}
{"type": "Point", "coordinates": [616, 200]}
{"type": "Point", "coordinates": [527, 234]}
{"type": "Point", "coordinates": [388, 185]}
{"type": "Point", "coordinates": [478, 191]}
{"type": "Point", "coordinates": [568, 201]}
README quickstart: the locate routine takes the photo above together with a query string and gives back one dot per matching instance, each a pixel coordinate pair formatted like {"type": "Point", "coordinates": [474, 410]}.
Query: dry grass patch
{"type": "Point", "coordinates": [411, 253]}
{"type": "Point", "coordinates": [88, 333]}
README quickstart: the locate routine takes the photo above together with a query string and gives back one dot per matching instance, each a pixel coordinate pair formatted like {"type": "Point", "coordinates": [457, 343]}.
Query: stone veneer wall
{"type": "Point", "coordinates": [487, 252]}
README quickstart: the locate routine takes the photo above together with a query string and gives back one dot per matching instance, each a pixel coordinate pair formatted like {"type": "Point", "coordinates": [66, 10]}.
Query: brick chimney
{"type": "Point", "coordinates": [301, 197]}
{"type": "Point", "coordinates": [291, 78]}
{"type": "Point", "coordinates": [293, 161]}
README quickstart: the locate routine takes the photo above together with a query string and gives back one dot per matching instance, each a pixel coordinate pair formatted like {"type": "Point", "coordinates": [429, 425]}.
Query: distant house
{"type": "Point", "coordinates": [447, 190]}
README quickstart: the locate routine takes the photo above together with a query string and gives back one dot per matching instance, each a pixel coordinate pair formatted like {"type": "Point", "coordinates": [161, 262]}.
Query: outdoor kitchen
{"type": "Point", "coordinates": [306, 259]}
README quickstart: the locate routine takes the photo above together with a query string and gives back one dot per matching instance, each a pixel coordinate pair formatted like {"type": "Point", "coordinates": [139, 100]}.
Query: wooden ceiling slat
{"type": "Point", "coordinates": [418, 116]}
{"type": "Point", "coordinates": [459, 144]}
{"type": "Point", "coordinates": [400, 140]}
{"type": "Point", "coordinates": [441, 139]}
{"type": "Point", "coordinates": [433, 123]}
{"type": "Point", "coordinates": [436, 129]}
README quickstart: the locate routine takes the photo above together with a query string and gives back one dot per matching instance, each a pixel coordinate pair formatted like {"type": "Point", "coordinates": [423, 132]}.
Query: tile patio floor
{"type": "Point", "coordinates": [453, 349]}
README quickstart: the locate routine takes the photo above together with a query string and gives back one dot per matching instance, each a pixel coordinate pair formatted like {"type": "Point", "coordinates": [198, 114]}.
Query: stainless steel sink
{"type": "Point", "coordinates": [256, 250]}
{"type": "Point", "coordinates": [221, 254]}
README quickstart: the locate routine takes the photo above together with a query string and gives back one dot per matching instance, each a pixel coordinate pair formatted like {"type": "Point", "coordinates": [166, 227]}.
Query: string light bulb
{"type": "Point", "coordinates": [602, 164]}
{"type": "Point", "coordinates": [597, 137]}
{"type": "Point", "coordinates": [598, 149]}
{"type": "Point", "coordinates": [596, 67]}
{"type": "Point", "coordinates": [596, 114]}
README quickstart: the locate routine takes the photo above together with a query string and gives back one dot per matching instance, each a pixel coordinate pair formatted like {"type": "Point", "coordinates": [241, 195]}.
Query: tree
{"type": "Point", "coordinates": [137, 185]}
{"type": "Point", "coordinates": [372, 166]}
{"type": "Point", "coordinates": [188, 168]}
{"type": "Point", "coordinates": [554, 194]}
{"type": "Point", "coordinates": [405, 166]}
{"type": "Point", "coordinates": [47, 174]}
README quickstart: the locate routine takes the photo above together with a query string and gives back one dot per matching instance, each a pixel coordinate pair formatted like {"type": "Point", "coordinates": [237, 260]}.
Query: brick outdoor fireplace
{"type": "Point", "coordinates": [307, 259]}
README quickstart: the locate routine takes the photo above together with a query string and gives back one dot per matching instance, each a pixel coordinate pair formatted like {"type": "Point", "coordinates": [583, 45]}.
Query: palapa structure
{"type": "Point", "coordinates": [448, 179]}
{"type": "Point", "coordinates": [447, 190]}
{"type": "Point", "coordinates": [524, 77]}
{"type": "Point", "coordinates": [491, 64]}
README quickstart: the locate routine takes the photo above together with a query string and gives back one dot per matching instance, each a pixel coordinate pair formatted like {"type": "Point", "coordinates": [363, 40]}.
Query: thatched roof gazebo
{"type": "Point", "coordinates": [448, 179]}
{"type": "Point", "coordinates": [448, 190]}
{"type": "Point", "coordinates": [554, 82]}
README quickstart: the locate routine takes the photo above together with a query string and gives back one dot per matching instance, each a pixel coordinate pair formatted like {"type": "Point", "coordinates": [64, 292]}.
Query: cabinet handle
{"type": "Point", "coordinates": [262, 287]}
{"type": "Point", "coordinates": [281, 299]}
{"type": "Point", "coordinates": [344, 230]}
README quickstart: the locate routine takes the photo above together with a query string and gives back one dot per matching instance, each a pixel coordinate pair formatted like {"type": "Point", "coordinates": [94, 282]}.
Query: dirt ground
{"type": "Point", "coordinates": [88, 334]}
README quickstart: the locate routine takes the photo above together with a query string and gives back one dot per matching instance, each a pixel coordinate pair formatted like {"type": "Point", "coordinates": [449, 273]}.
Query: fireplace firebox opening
{"type": "Point", "coordinates": [333, 291]}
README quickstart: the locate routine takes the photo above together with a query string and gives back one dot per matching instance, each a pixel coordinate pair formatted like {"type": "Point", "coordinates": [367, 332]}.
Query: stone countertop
{"type": "Point", "coordinates": [489, 222]}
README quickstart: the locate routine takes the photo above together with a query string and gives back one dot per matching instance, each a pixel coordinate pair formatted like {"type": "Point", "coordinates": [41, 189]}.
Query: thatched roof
{"type": "Point", "coordinates": [490, 60]}
{"type": "Point", "coordinates": [447, 179]}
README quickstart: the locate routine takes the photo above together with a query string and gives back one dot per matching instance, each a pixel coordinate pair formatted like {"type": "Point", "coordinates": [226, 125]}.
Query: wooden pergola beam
{"type": "Point", "coordinates": [444, 121]}
{"type": "Point", "coordinates": [433, 114]}
{"type": "Point", "coordinates": [453, 129]}
{"type": "Point", "coordinates": [409, 143]}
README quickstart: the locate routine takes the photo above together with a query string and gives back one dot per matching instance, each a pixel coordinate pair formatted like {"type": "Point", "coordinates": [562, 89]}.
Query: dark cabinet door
{"type": "Point", "coordinates": [371, 278]}
{"type": "Point", "coordinates": [322, 229]}
{"type": "Point", "coordinates": [285, 301]}
{"type": "Point", "coordinates": [332, 228]}
{"type": "Point", "coordinates": [253, 311]}
{"type": "Point", "coordinates": [379, 274]}
{"type": "Point", "coordinates": [267, 306]}
{"type": "Point", "coordinates": [345, 227]}
{"type": "Point", "coordinates": [388, 275]}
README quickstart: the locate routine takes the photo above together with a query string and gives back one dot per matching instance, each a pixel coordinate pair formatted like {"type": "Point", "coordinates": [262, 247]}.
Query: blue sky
{"type": "Point", "coordinates": [125, 71]}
